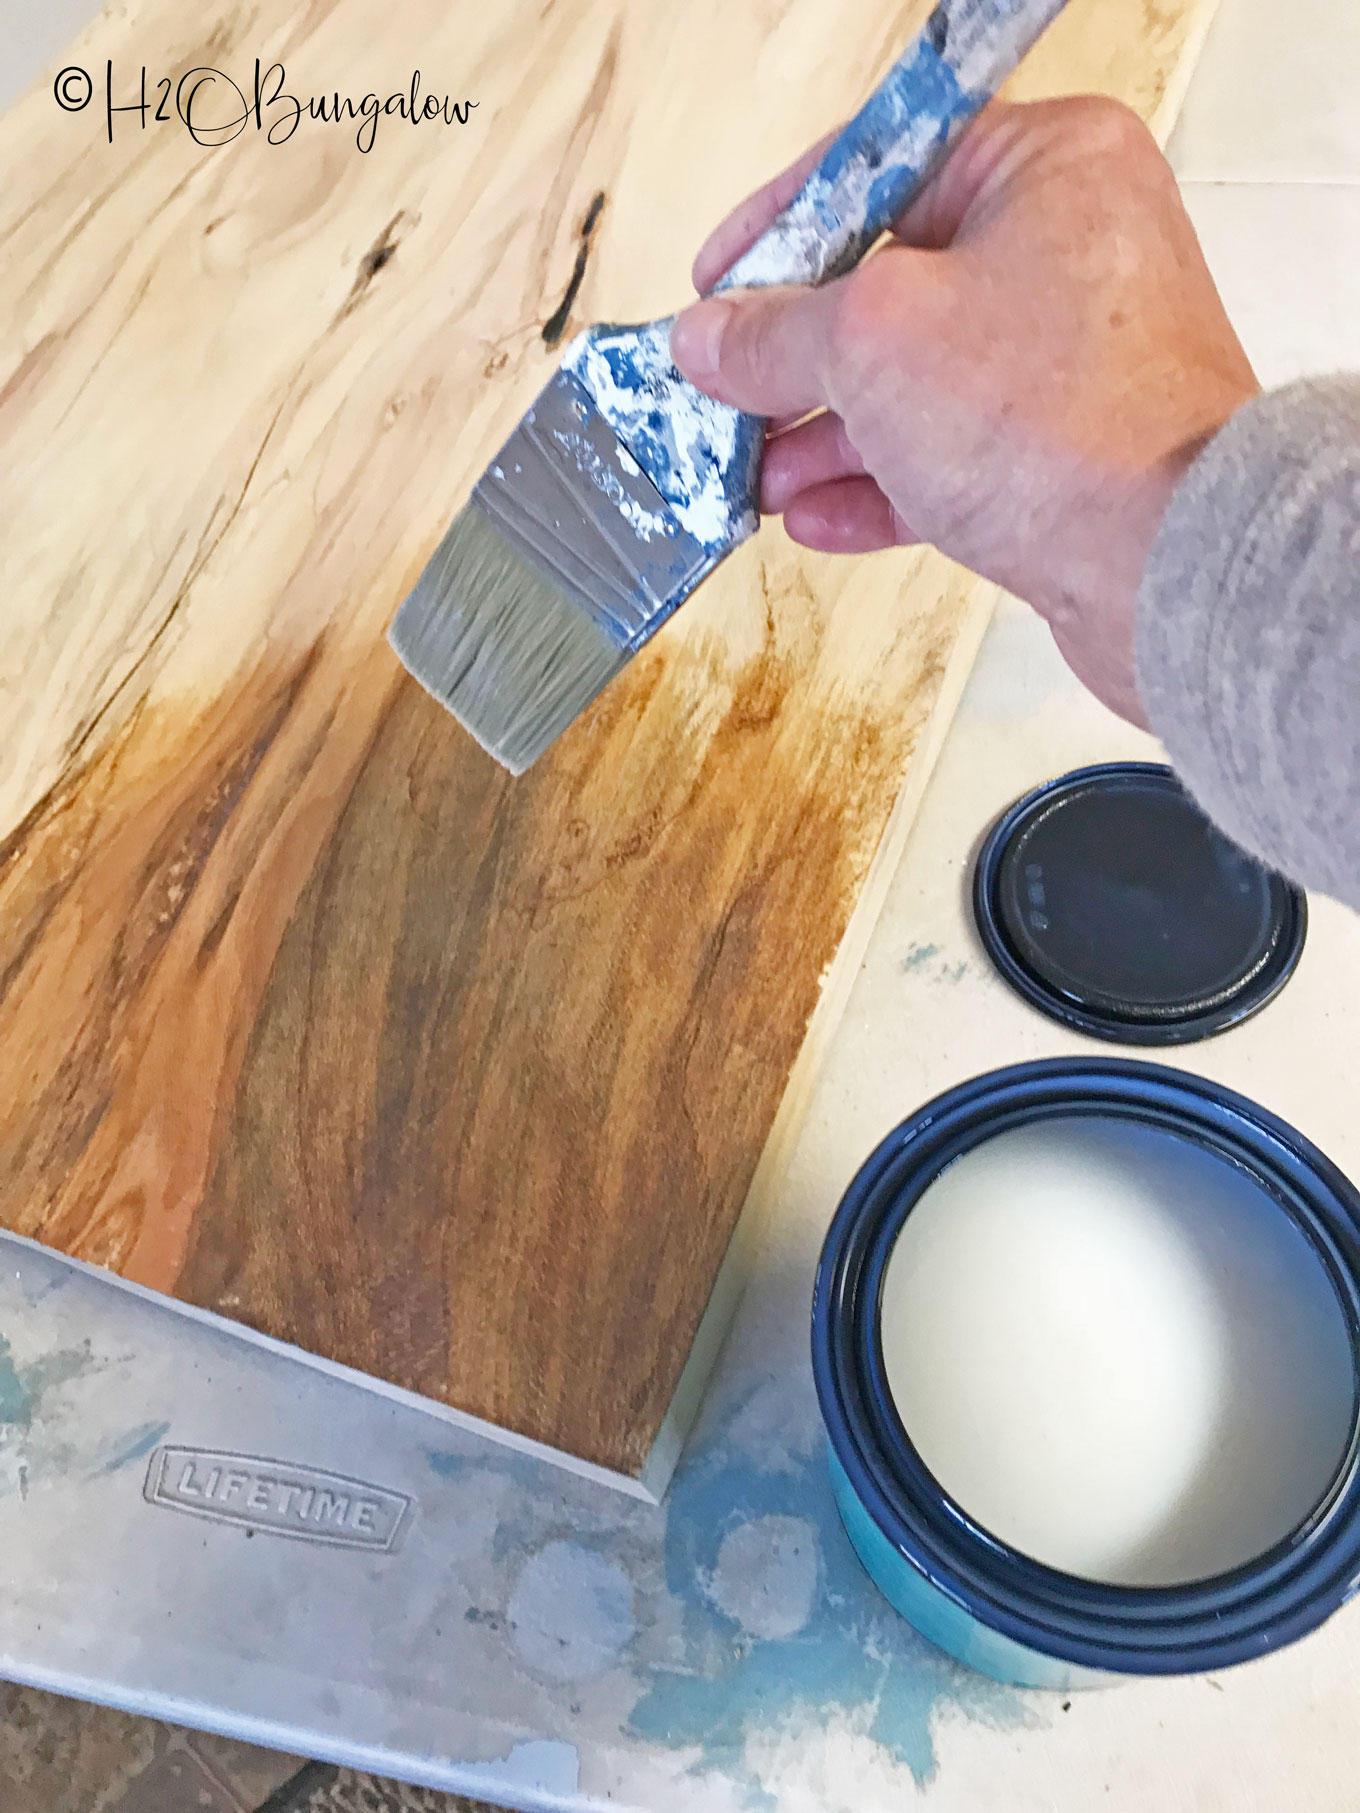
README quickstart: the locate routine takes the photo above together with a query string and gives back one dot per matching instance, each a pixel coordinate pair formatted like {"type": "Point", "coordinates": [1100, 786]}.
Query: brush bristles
{"type": "Point", "coordinates": [512, 656]}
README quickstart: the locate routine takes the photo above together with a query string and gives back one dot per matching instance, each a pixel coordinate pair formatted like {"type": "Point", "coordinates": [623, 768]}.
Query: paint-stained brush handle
{"type": "Point", "coordinates": [964, 52]}
{"type": "Point", "coordinates": [624, 485]}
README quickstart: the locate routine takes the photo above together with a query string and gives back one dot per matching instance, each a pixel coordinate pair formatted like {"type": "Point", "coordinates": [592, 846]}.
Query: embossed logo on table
{"type": "Point", "coordinates": [275, 1496]}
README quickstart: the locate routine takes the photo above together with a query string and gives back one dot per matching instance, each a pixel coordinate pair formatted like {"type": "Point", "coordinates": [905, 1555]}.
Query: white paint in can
{"type": "Point", "coordinates": [1117, 1352]}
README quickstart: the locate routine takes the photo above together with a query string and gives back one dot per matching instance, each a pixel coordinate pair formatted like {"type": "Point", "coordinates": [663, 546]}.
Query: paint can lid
{"type": "Point", "coordinates": [1111, 903]}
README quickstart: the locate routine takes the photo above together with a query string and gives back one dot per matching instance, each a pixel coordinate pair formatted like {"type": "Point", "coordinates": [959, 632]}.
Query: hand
{"type": "Point", "coordinates": [1020, 376]}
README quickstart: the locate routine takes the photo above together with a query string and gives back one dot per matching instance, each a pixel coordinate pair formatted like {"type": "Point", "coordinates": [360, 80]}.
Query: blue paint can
{"type": "Point", "coordinates": [1208, 1510]}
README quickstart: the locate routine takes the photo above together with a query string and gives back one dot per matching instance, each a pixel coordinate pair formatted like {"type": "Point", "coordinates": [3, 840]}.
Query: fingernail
{"type": "Point", "coordinates": [697, 337]}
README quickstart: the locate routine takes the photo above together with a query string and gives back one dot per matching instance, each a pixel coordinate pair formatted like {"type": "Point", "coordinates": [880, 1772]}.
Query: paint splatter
{"type": "Point", "coordinates": [132, 1446]}
{"type": "Point", "coordinates": [701, 456]}
{"type": "Point", "coordinates": [544, 1767]}
{"type": "Point", "coordinates": [866, 176]}
{"type": "Point", "coordinates": [41, 1436]}
{"type": "Point", "coordinates": [15, 1404]}
{"type": "Point", "coordinates": [766, 1577]}
{"type": "Point", "coordinates": [25, 1389]}
{"type": "Point", "coordinates": [919, 954]}
{"type": "Point", "coordinates": [927, 957]}
{"type": "Point", "coordinates": [643, 522]}
{"type": "Point", "coordinates": [571, 1612]}
{"type": "Point", "coordinates": [731, 1626]}
{"type": "Point", "coordinates": [850, 1656]}
{"type": "Point", "coordinates": [445, 1465]}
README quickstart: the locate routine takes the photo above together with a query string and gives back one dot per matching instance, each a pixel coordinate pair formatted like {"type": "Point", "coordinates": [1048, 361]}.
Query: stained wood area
{"type": "Point", "coordinates": [308, 1013]}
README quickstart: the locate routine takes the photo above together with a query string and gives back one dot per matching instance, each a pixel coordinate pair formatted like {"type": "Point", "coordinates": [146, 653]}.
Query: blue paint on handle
{"type": "Point", "coordinates": [920, 86]}
{"type": "Point", "coordinates": [920, 104]}
{"type": "Point", "coordinates": [867, 176]}
{"type": "Point", "coordinates": [703, 457]}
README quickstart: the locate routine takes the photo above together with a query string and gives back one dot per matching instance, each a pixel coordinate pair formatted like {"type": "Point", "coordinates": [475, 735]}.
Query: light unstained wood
{"type": "Point", "coordinates": [308, 1014]}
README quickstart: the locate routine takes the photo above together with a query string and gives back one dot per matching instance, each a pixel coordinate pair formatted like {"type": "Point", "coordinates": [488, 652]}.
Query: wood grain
{"type": "Point", "coordinates": [308, 1014]}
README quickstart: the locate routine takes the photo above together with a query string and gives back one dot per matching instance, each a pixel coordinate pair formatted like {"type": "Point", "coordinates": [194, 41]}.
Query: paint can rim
{"type": "Point", "coordinates": [1261, 1606]}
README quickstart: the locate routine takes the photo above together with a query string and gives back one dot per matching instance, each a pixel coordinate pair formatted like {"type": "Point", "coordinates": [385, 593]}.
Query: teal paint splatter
{"type": "Point", "coordinates": [919, 954]}
{"type": "Point", "coordinates": [854, 1655]}
{"type": "Point", "coordinates": [134, 1445]}
{"type": "Point", "coordinates": [34, 1443]}
{"type": "Point", "coordinates": [448, 1464]}
{"type": "Point", "coordinates": [707, 1683]}
{"type": "Point", "coordinates": [54, 1370]}
{"type": "Point", "coordinates": [24, 1388]}
{"type": "Point", "coordinates": [16, 1406]}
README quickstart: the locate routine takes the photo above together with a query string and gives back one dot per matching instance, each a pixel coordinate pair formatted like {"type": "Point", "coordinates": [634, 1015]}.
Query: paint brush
{"type": "Point", "coordinates": [624, 486]}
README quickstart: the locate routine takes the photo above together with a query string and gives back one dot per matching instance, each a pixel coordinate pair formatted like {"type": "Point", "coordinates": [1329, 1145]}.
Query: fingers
{"type": "Point", "coordinates": [847, 516]}
{"type": "Point", "coordinates": [814, 476]}
{"type": "Point", "coordinates": [978, 157]}
{"type": "Point", "coordinates": [816, 452]}
{"type": "Point", "coordinates": [931, 221]}
{"type": "Point", "coordinates": [765, 351]}
{"type": "Point", "coordinates": [749, 219]}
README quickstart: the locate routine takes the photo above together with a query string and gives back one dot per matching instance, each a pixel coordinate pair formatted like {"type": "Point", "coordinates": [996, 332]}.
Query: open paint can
{"type": "Point", "coordinates": [1085, 1338]}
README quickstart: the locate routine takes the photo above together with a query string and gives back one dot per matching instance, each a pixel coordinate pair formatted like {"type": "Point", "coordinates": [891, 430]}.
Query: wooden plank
{"type": "Point", "coordinates": [308, 1014]}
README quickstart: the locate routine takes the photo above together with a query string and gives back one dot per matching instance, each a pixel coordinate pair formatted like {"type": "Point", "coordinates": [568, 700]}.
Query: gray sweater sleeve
{"type": "Point", "coordinates": [1248, 631]}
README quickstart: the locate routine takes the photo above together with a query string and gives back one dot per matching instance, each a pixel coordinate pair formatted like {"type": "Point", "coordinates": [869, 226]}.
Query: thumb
{"type": "Point", "coordinates": [765, 351]}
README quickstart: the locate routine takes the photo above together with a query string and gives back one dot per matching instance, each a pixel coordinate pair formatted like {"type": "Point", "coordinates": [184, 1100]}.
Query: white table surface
{"type": "Point", "coordinates": [548, 1642]}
